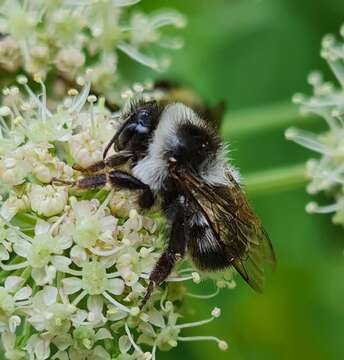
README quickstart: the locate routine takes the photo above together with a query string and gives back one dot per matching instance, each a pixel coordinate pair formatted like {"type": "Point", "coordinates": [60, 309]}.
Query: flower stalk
{"type": "Point", "coordinates": [275, 180]}
{"type": "Point", "coordinates": [262, 119]}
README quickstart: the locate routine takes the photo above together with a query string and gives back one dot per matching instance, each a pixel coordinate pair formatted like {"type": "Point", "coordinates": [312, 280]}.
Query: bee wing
{"type": "Point", "coordinates": [246, 244]}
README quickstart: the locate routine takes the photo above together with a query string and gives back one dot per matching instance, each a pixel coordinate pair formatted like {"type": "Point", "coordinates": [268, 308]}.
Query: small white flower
{"type": "Point", "coordinates": [13, 169]}
{"type": "Point", "coordinates": [19, 22]}
{"type": "Point", "coordinates": [38, 346]}
{"type": "Point", "coordinates": [122, 202]}
{"type": "Point", "coordinates": [93, 227]}
{"type": "Point", "coordinates": [94, 280]}
{"type": "Point", "coordinates": [43, 165]}
{"type": "Point", "coordinates": [14, 204]}
{"type": "Point", "coordinates": [43, 252]}
{"type": "Point", "coordinates": [47, 314]}
{"type": "Point", "coordinates": [85, 150]}
{"type": "Point", "coordinates": [69, 60]}
{"type": "Point", "coordinates": [5, 245]}
{"type": "Point", "coordinates": [38, 60]}
{"type": "Point", "coordinates": [48, 200]}
{"type": "Point", "coordinates": [12, 298]}
{"type": "Point", "coordinates": [71, 33]}
{"type": "Point", "coordinates": [10, 56]}
{"type": "Point", "coordinates": [326, 173]}
{"type": "Point", "coordinates": [8, 339]}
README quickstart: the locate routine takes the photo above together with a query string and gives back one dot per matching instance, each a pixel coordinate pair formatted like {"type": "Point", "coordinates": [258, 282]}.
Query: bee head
{"type": "Point", "coordinates": [139, 123]}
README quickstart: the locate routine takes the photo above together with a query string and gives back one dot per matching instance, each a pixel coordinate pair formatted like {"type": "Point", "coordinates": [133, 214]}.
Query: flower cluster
{"type": "Point", "coordinates": [68, 36]}
{"type": "Point", "coordinates": [75, 264]}
{"type": "Point", "coordinates": [327, 172]}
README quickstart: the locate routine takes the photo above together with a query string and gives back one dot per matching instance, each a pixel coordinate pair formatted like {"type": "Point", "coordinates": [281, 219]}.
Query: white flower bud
{"type": "Point", "coordinates": [69, 60]}
{"type": "Point", "coordinates": [13, 170]}
{"type": "Point", "coordinates": [13, 205]}
{"type": "Point", "coordinates": [10, 56]}
{"type": "Point", "coordinates": [91, 98]}
{"type": "Point", "coordinates": [22, 79]}
{"type": "Point", "coordinates": [39, 60]}
{"type": "Point", "coordinates": [43, 173]}
{"type": "Point", "coordinates": [223, 345]}
{"type": "Point", "coordinates": [48, 200]}
{"type": "Point", "coordinates": [85, 150]}
{"type": "Point", "coordinates": [196, 277]}
{"type": "Point", "coordinates": [5, 111]}
{"type": "Point", "coordinates": [216, 312]}
{"type": "Point", "coordinates": [73, 92]}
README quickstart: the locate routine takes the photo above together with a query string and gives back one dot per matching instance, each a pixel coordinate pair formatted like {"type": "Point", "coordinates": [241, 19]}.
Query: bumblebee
{"type": "Point", "coordinates": [177, 158]}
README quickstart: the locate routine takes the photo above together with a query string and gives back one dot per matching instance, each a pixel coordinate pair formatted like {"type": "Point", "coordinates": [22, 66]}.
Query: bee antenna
{"type": "Point", "coordinates": [109, 145]}
{"type": "Point", "coordinates": [114, 138]}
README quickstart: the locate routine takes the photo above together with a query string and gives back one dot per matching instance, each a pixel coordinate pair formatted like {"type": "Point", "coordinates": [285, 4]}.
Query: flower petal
{"type": "Point", "coordinates": [78, 255]}
{"type": "Point", "coordinates": [124, 344]}
{"type": "Point", "coordinates": [156, 318]}
{"type": "Point", "coordinates": [71, 285]}
{"type": "Point", "coordinates": [4, 255]}
{"type": "Point", "coordinates": [95, 304]}
{"type": "Point", "coordinates": [23, 293]}
{"type": "Point", "coordinates": [42, 227]}
{"type": "Point", "coordinates": [22, 248]}
{"type": "Point", "coordinates": [62, 342]}
{"type": "Point", "coordinates": [13, 323]}
{"type": "Point", "coordinates": [12, 282]}
{"type": "Point", "coordinates": [8, 340]}
{"type": "Point", "coordinates": [115, 286]}
{"type": "Point", "coordinates": [103, 334]}
{"type": "Point", "coordinates": [50, 295]}
{"type": "Point", "coordinates": [61, 262]}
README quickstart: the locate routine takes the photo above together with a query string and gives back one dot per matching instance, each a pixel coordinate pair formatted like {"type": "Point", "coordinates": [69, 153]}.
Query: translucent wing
{"type": "Point", "coordinates": [234, 225]}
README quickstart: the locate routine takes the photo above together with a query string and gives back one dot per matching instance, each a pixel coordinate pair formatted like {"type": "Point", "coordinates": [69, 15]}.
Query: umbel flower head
{"type": "Point", "coordinates": [75, 264]}
{"type": "Point", "coordinates": [326, 172]}
{"type": "Point", "coordinates": [69, 35]}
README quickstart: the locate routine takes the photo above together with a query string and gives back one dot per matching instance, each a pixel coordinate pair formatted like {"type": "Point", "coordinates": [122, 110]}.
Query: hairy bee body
{"type": "Point", "coordinates": [178, 159]}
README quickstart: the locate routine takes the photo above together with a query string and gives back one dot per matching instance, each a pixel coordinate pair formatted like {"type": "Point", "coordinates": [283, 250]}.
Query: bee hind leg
{"type": "Point", "coordinates": [174, 251]}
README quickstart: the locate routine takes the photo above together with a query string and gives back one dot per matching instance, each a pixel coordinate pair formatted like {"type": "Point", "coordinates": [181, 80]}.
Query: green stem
{"type": "Point", "coordinates": [4, 274]}
{"type": "Point", "coordinates": [271, 117]}
{"type": "Point", "coordinates": [275, 180]}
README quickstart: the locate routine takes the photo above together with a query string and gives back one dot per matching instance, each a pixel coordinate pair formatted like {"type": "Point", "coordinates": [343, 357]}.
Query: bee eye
{"type": "Point", "coordinates": [142, 117]}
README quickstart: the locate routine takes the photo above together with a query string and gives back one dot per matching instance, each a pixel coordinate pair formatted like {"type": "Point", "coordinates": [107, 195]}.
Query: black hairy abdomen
{"type": "Point", "coordinates": [206, 251]}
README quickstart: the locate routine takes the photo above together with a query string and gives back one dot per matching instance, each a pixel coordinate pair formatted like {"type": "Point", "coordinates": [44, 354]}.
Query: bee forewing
{"type": "Point", "coordinates": [245, 243]}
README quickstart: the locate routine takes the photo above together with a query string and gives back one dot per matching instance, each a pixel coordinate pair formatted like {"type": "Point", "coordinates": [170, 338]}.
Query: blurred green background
{"type": "Point", "coordinates": [255, 54]}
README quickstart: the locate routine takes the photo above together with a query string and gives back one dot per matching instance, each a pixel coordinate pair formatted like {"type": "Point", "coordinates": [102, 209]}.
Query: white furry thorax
{"type": "Point", "coordinates": [153, 168]}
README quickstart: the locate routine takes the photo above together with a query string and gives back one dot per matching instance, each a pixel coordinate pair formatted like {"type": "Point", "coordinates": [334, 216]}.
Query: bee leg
{"type": "Point", "coordinates": [127, 181]}
{"type": "Point", "coordinates": [118, 159]}
{"type": "Point", "coordinates": [87, 182]}
{"type": "Point", "coordinates": [92, 181]}
{"type": "Point", "coordinates": [175, 251]}
{"type": "Point", "coordinates": [112, 161]}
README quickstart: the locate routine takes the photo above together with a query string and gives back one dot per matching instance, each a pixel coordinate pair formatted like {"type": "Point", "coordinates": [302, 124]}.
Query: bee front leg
{"type": "Point", "coordinates": [175, 251]}
{"type": "Point", "coordinates": [92, 181]}
{"type": "Point", "coordinates": [112, 161]}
